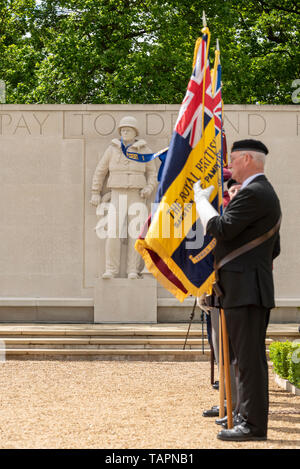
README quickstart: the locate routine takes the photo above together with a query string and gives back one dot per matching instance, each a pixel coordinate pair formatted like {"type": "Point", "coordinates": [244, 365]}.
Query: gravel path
{"type": "Point", "coordinates": [119, 405]}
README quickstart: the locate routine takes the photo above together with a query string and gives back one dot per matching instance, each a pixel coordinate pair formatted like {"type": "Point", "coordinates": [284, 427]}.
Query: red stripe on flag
{"type": "Point", "coordinates": [164, 269]}
{"type": "Point", "coordinates": [159, 263]}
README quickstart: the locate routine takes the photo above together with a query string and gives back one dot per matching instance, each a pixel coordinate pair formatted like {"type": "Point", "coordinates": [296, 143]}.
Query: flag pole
{"type": "Point", "coordinates": [224, 361]}
{"type": "Point", "coordinates": [225, 349]}
{"type": "Point", "coordinates": [212, 365]}
{"type": "Point", "coordinates": [215, 69]}
{"type": "Point", "coordinates": [205, 30]}
{"type": "Point", "coordinates": [221, 371]}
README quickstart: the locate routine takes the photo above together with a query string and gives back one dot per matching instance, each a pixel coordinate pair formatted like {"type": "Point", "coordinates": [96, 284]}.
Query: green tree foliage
{"type": "Point", "coordinates": [141, 51]}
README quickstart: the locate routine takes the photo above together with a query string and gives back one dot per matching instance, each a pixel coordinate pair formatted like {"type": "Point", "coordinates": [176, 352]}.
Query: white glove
{"type": "Point", "coordinates": [205, 210]}
{"type": "Point", "coordinates": [202, 305]}
{"type": "Point", "coordinates": [199, 192]}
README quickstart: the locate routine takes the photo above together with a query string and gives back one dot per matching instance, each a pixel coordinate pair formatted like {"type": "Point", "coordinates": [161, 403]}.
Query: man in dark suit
{"type": "Point", "coordinates": [247, 280]}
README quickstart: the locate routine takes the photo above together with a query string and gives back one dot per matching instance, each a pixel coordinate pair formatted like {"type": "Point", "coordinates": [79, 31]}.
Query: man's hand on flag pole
{"type": "Point", "coordinates": [202, 304]}
{"type": "Point", "coordinates": [205, 210]}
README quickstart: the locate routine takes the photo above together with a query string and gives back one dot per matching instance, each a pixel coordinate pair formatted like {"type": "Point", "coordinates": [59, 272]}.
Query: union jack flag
{"type": "Point", "coordinates": [190, 119]}
{"type": "Point", "coordinates": [218, 101]}
{"type": "Point", "coordinates": [218, 105]}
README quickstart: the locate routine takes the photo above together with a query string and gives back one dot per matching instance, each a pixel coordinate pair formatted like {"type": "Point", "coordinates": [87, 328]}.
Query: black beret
{"type": "Point", "coordinates": [250, 145]}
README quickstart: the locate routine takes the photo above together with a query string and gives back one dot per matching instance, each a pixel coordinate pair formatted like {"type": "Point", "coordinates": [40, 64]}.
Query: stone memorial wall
{"type": "Point", "coordinates": [50, 256]}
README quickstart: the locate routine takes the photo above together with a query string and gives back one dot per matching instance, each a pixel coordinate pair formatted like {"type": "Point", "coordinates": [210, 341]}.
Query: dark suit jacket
{"type": "Point", "coordinates": [248, 279]}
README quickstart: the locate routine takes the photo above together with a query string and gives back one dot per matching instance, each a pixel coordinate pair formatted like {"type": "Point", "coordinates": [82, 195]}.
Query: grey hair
{"type": "Point", "coordinates": [258, 156]}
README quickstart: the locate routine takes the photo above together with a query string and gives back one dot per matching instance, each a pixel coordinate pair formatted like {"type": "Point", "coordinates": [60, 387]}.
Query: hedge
{"type": "Point", "coordinates": [286, 360]}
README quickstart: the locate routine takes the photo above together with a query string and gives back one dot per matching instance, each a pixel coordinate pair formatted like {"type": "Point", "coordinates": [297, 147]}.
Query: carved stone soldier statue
{"type": "Point", "coordinates": [132, 179]}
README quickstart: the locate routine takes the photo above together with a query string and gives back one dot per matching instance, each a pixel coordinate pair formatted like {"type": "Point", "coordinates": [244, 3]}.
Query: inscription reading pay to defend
{"type": "Point", "coordinates": [85, 124]}
{"type": "Point", "coordinates": [72, 124]}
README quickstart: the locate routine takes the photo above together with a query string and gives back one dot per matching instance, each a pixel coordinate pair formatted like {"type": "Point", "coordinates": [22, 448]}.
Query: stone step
{"type": "Point", "coordinates": [100, 343]}
{"type": "Point", "coordinates": [126, 333]}
{"type": "Point", "coordinates": [275, 331]}
{"type": "Point", "coordinates": [114, 342]}
{"type": "Point", "coordinates": [108, 354]}
{"type": "Point", "coordinates": [97, 343]}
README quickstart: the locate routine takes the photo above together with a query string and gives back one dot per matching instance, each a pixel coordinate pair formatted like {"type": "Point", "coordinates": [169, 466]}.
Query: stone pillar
{"type": "Point", "coordinates": [122, 300]}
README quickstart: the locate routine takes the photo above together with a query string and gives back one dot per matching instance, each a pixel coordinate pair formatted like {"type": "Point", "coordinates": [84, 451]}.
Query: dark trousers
{"type": "Point", "coordinates": [247, 327]}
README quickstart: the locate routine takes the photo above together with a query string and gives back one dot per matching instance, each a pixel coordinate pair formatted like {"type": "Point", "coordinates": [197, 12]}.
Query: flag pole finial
{"type": "Point", "coordinates": [204, 20]}
{"type": "Point", "coordinates": [217, 45]}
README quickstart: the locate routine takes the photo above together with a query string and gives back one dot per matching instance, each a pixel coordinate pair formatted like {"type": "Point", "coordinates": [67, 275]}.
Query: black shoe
{"type": "Point", "coordinates": [239, 433]}
{"type": "Point", "coordinates": [237, 420]}
{"type": "Point", "coordinates": [216, 385]}
{"type": "Point", "coordinates": [221, 421]}
{"type": "Point", "coordinates": [213, 412]}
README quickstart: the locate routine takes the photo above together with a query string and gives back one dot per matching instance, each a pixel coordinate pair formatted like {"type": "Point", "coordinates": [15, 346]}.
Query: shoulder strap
{"type": "Point", "coordinates": [246, 247]}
